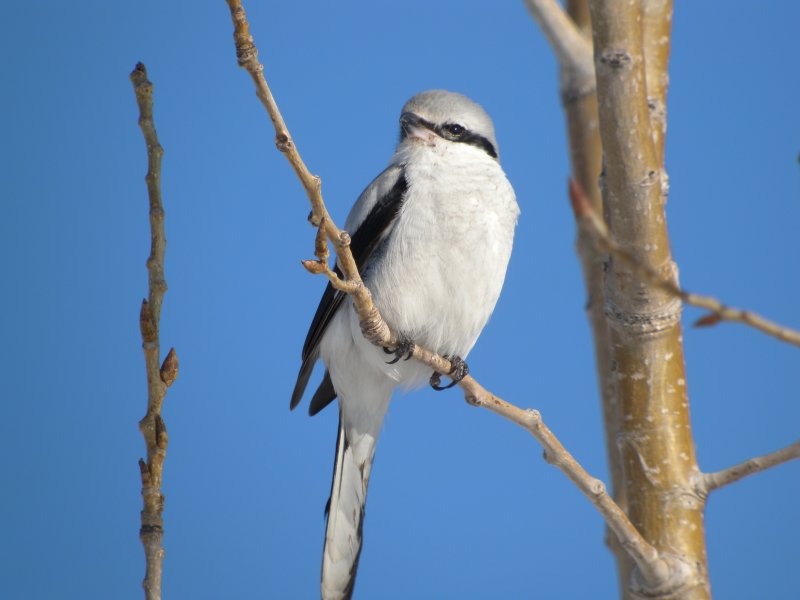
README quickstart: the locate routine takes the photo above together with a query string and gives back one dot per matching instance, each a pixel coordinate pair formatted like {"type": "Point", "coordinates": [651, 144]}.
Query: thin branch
{"type": "Point", "coordinates": [572, 49]}
{"type": "Point", "coordinates": [247, 55]}
{"type": "Point", "coordinates": [713, 481]}
{"type": "Point", "coordinates": [653, 567]}
{"type": "Point", "coordinates": [160, 378]}
{"type": "Point", "coordinates": [657, 570]}
{"type": "Point", "coordinates": [718, 311]}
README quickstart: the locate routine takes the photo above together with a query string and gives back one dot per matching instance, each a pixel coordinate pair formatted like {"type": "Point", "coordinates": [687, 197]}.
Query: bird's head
{"type": "Point", "coordinates": [441, 115]}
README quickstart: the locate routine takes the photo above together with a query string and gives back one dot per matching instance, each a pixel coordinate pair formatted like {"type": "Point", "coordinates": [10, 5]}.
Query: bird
{"type": "Point", "coordinates": [431, 236]}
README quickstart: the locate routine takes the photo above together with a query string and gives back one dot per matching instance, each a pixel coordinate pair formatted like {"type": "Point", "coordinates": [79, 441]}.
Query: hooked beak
{"type": "Point", "coordinates": [416, 127]}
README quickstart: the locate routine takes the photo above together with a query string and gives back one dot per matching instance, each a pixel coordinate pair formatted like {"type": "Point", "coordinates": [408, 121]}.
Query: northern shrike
{"type": "Point", "coordinates": [431, 236]}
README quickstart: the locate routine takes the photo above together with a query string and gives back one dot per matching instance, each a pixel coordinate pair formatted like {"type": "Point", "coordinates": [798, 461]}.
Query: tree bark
{"type": "Point", "coordinates": [647, 364]}
{"type": "Point", "coordinates": [586, 152]}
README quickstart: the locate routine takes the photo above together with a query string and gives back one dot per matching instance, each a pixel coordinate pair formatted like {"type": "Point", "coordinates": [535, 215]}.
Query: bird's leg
{"type": "Point", "coordinates": [458, 370]}
{"type": "Point", "coordinates": [404, 348]}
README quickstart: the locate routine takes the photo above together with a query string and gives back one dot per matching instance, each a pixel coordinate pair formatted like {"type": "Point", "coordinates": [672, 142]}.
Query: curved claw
{"type": "Point", "coordinates": [405, 348]}
{"type": "Point", "coordinates": [458, 371]}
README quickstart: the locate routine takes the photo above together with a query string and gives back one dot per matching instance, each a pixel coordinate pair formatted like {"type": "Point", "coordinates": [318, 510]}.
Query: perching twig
{"type": "Point", "coordinates": [158, 378]}
{"type": "Point", "coordinates": [247, 55]}
{"type": "Point", "coordinates": [573, 50]}
{"type": "Point", "coordinates": [713, 481]}
{"type": "Point", "coordinates": [653, 567]}
{"type": "Point", "coordinates": [718, 311]}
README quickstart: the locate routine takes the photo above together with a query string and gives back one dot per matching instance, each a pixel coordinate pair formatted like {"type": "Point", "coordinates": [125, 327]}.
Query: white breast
{"type": "Point", "coordinates": [438, 276]}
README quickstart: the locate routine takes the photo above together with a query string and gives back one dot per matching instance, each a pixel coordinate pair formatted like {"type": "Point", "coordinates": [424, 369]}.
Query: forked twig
{"type": "Point", "coordinates": [718, 311]}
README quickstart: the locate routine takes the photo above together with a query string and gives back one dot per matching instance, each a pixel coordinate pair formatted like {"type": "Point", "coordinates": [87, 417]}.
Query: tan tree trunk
{"type": "Point", "coordinates": [636, 326]}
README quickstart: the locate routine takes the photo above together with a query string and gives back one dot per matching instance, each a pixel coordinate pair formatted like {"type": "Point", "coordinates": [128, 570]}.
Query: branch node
{"type": "Point", "coordinates": [245, 54]}
{"type": "Point", "coordinates": [534, 417]}
{"type": "Point", "coordinates": [315, 267]}
{"type": "Point", "coordinates": [321, 243]}
{"type": "Point", "coordinates": [650, 179]}
{"type": "Point", "coordinates": [669, 577]}
{"type": "Point", "coordinates": [708, 320]}
{"type": "Point", "coordinates": [161, 432]}
{"type": "Point", "coordinates": [373, 328]}
{"type": "Point", "coordinates": [169, 368]}
{"type": "Point", "coordinates": [146, 324]}
{"type": "Point", "coordinates": [344, 239]}
{"type": "Point", "coordinates": [283, 142]}
{"type": "Point", "coordinates": [597, 487]}
{"type": "Point", "coordinates": [472, 399]}
{"type": "Point", "coordinates": [616, 59]}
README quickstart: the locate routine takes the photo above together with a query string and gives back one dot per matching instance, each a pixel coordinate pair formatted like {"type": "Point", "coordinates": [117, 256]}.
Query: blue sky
{"type": "Point", "coordinates": [461, 504]}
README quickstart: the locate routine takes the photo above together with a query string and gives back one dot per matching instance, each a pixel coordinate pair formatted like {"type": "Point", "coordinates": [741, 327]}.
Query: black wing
{"type": "Point", "coordinates": [367, 237]}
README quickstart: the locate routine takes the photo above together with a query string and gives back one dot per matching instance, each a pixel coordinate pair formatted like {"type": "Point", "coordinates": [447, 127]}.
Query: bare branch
{"type": "Point", "coordinates": [722, 312]}
{"type": "Point", "coordinates": [585, 152]}
{"type": "Point", "coordinates": [658, 571]}
{"type": "Point", "coordinates": [713, 481]}
{"type": "Point", "coordinates": [247, 55]}
{"type": "Point", "coordinates": [573, 50]}
{"type": "Point", "coordinates": [653, 567]}
{"type": "Point", "coordinates": [718, 311]}
{"type": "Point", "coordinates": [159, 378]}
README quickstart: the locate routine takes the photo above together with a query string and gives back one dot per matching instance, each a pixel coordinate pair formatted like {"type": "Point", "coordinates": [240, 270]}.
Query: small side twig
{"type": "Point", "coordinates": [159, 378]}
{"type": "Point", "coordinates": [587, 217]}
{"type": "Point", "coordinates": [713, 481]}
{"type": "Point", "coordinates": [658, 571]}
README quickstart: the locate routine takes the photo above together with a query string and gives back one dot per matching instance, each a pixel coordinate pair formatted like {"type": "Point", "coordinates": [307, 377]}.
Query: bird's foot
{"type": "Point", "coordinates": [458, 371]}
{"type": "Point", "coordinates": [404, 349]}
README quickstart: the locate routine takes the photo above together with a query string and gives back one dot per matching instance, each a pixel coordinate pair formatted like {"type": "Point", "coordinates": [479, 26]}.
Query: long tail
{"type": "Point", "coordinates": [345, 513]}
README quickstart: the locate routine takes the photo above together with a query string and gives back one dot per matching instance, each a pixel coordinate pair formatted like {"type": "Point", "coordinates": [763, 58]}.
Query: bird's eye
{"type": "Point", "coordinates": [454, 129]}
